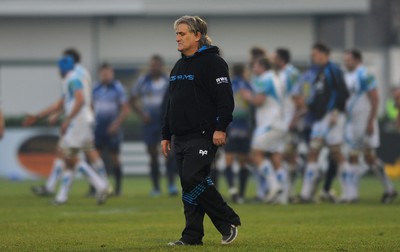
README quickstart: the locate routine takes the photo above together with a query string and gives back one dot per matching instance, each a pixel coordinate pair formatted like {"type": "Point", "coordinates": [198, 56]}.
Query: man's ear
{"type": "Point", "coordinates": [198, 36]}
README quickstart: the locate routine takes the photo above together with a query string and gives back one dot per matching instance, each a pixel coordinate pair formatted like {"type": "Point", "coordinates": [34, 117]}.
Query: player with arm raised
{"type": "Point", "coordinates": [91, 154]}
{"type": "Point", "coordinates": [76, 131]}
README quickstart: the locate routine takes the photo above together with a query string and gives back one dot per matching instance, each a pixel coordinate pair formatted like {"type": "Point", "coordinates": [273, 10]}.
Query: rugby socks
{"type": "Point", "coordinates": [311, 177]}
{"type": "Point", "coordinates": [243, 177]}
{"type": "Point", "coordinates": [268, 172]}
{"type": "Point", "coordinates": [345, 181]}
{"type": "Point", "coordinates": [291, 176]}
{"type": "Point", "coordinates": [283, 179]}
{"type": "Point", "coordinates": [330, 174]}
{"type": "Point", "coordinates": [262, 186]}
{"type": "Point", "coordinates": [353, 181]}
{"type": "Point", "coordinates": [56, 171]}
{"type": "Point", "coordinates": [379, 170]}
{"type": "Point", "coordinates": [66, 181]}
{"type": "Point", "coordinates": [230, 176]}
{"type": "Point", "coordinates": [100, 168]}
{"type": "Point", "coordinates": [155, 176]}
{"type": "Point", "coordinates": [99, 183]}
{"type": "Point", "coordinates": [118, 179]}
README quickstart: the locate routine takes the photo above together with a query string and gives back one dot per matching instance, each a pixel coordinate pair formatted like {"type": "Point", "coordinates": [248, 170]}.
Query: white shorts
{"type": "Point", "coordinates": [78, 137]}
{"type": "Point", "coordinates": [332, 135]}
{"type": "Point", "coordinates": [271, 140]}
{"type": "Point", "coordinates": [356, 135]}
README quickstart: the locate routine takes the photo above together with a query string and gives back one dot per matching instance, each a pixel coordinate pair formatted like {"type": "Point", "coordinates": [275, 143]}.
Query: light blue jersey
{"type": "Point", "coordinates": [270, 114]}
{"type": "Point", "coordinates": [72, 83]}
{"type": "Point", "coordinates": [359, 83]}
{"type": "Point", "coordinates": [358, 107]}
{"type": "Point", "coordinates": [289, 76]}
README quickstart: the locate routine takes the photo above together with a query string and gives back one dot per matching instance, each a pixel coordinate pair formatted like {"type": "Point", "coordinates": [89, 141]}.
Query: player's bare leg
{"type": "Point", "coordinates": [377, 167]}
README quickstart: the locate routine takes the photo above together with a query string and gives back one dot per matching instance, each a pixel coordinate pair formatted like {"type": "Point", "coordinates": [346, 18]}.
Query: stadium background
{"type": "Point", "coordinates": [126, 33]}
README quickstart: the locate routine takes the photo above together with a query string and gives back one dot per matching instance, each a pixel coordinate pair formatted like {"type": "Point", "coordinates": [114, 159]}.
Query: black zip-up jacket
{"type": "Point", "coordinates": [200, 99]}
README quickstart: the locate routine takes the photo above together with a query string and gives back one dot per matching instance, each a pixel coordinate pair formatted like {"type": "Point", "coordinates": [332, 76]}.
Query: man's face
{"type": "Point", "coordinates": [155, 67]}
{"type": "Point", "coordinates": [277, 63]}
{"type": "Point", "coordinates": [318, 57]}
{"type": "Point", "coordinates": [258, 69]}
{"type": "Point", "coordinates": [106, 75]}
{"type": "Point", "coordinates": [187, 41]}
{"type": "Point", "coordinates": [349, 62]}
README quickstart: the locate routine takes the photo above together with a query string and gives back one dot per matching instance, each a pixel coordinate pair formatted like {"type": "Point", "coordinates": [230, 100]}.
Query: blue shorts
{"type": "Point", "coordinates": [109, 142]}
{"type": "Point", "coordinates": [152, 134]}
{"type": "Point", "coordinates": [240, 145]}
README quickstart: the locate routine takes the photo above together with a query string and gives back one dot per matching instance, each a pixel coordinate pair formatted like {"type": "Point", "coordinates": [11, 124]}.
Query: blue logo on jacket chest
{"type": "Point", "coordinates": [189, 77]}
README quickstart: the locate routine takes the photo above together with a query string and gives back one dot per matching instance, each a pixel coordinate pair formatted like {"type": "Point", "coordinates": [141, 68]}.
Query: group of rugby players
{"type": "Point", "coordinates": [323, 107]}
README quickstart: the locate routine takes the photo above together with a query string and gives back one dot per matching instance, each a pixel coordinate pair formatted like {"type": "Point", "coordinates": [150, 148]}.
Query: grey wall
{"type": "Point", "coordinates": [29, 47]}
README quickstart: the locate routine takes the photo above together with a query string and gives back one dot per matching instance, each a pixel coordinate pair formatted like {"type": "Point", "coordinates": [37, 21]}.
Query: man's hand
{"type": "Point", "coordinates": [64, 126]}
{"type": "Point", "coordinates": [219, 138]}
{"type": "Point", "coordinates": [113, 129]}
{"type": "Point", "coordinates": [165, 147]}
{"type": "Point", "coordinates": [53, 118]}
{"type": "Point", "coordinates": [370, 128]}
{"type": "Point", "coordinates": [246, 94]}
{"type": "Point", "coordinates": [29, 120]}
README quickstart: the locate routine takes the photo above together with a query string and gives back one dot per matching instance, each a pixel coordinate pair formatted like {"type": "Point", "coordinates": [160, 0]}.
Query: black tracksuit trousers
{"type": "Point", "coordinates": [194, 157]}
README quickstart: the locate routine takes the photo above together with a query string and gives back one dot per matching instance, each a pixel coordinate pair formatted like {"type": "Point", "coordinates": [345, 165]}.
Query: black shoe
{"type": "Point", "coordinates": [182, 243]}
{"type": "Point", "coordinates": [41, 191]}
{"type": "Point", "coordinates": [91, 193]}
{"type": "Point", "coordinates": [227, 239]}
{"type": "Point", "coordinates": [388, 198]}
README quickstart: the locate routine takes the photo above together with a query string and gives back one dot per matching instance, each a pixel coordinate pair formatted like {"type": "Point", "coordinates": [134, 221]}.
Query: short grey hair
{"type": "Point", "coordinates": [195, 24]}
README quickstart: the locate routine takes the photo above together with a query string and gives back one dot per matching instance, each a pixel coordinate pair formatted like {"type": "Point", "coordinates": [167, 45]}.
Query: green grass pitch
{"type": "Point", "coordinates": [136, 222]}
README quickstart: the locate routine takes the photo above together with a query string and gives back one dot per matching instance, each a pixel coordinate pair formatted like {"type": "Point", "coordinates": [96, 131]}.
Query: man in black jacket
{"type": "Point", "coordinates": [199, 110]}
